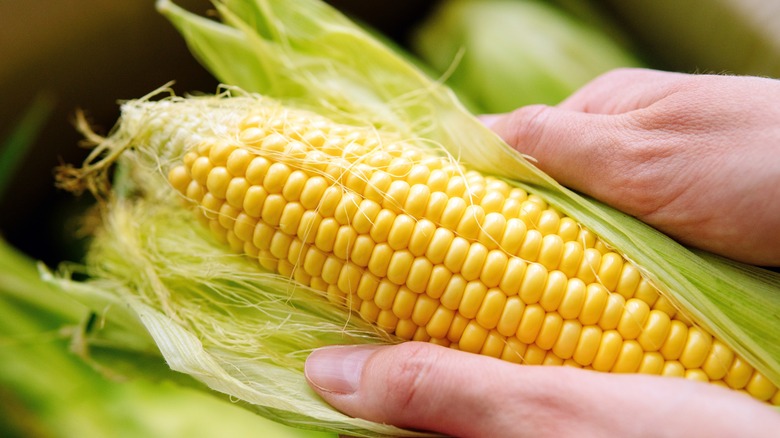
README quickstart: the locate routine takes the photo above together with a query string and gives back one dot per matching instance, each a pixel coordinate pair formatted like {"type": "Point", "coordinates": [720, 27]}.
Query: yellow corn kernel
{"type": "Point", "coordinates": [471, 268]}
{"type": "Point", "coordinates": [421, 237]}
{"type": "Point", "coordinates": [531, 246]}
{"type": "Point", "coordinates": [609, 270]}
{"type": "Point", "coordinates": [663, 304]}
{"type": "Point", "coordinates": [696, 374]}
{"type": "Point", "coordinates": [550, 359]}
{"type": "Point", "coordinates": [514, 272]}
{"type": "Point", "coordinates": [739, 373]}
{"type": "Point", "coordinates": [459, 323]}
{"type": "Point", "coordinates": [367, 287]}
{"type": "Point", "coordinates": [554, 290]}
{"type": "Point", "coordinates": [530, 323]}
{"type": "Point", "coordinates": [608, 351]}
{"type": "Point", "coordinates": [493, 345]}
{"type": "Point", "coordinates": [533, 283]}
{"type": "Point", "coordinates": [534, 355]}
{"type": "Point", "coordinates": [571, 258]}
{"type": "Point", "coordinates": [613, 311]}
{"type": "Point", "coordinates": [509, 320]}
{"type": "Point", "coordinates": [589, 266]}
{"type": "Point", "coordinates": [551, 251]}
{"type": "Point", "coordinates": [439, 324]}
{"type": "Point", "coordinates": [491, 309]}
{"type": "Point", "coordinates": [436, 205]}
{"type": "Point", "coordinates": [438, 281]}
{"type": "Point", "coordinates": [471, 222]}
{"type": "Point", "coordinates": [645, 290]}
{"type": "Point", "coordinates": [652, 363]}
{"type": "Point", "coordinates": [385, 294]}
{"type": "Point", "coordinates": [548, 223]}
{"type": "Point", "coordinates": [380, 259]}
{"type": "Point", "coordinates": [400, 232]}
{"type": "Point", "coordinates": [387, 320]}
{"type": "Point", "coordinates": [596, 297]}
{"type": "Point", "coordinates": [453, 293]}
{"type": "Point", "coordinates": [568, 229]}
{"type": "Point", "coordinates": [473, 296]}
{"type": "Point", "coordinates": [456, 254]}
{"type": "Point", "coordinates": [513, 350]}
{"type": "Point", "coordinates": [490, 232]}
{"type": "Point", "coordinates": [494, 268]}
{"type": "Point", "coordinates": [567, 339]}
{"type": "Point", "coordinates": [404, 302]}
{"type": "Point", "coordinates": [424, 308]}
{"type": "Point", "coordinates": [673, 368]}
{"type": "Point", "coordinates": [419, 273]}
{"type": "Point", "coordinates": [549, 331]}
{"type": "Point", "coordinates": [696, 349]}
{"type": "Point", "coordinates": [440, 244]}
{"type": "Point", "coordinates": [473, 337]}
{"type": "Point", "coordinates": [573, 299]}
{"type": "Point", "coordinates": [655, 331]}
{"type": "Point", "coordinates": [717, 363]}
{"type": "Point", "coordinates": [514, 236]}
{"type": "Point", "coordinates": [632, 321]}
{"type": "Point", "coordinates": [675, 341]}
{"type": "Point", "coordinates": [629, 359]}
{"type": "Point", "coordinates": [399, 266]}
{"type": "Point", "coordinates": [760, 387]}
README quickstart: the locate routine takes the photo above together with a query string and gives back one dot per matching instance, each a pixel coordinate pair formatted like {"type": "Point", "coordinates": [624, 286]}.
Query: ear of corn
{"type": "Point", "coordinates": [366, 220]}
{"type": "Point", "coordinates": [274, 183]}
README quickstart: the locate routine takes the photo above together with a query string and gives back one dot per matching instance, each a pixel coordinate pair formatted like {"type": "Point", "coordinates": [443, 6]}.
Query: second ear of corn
{"type": "Point", "coordinates": [431, 251]}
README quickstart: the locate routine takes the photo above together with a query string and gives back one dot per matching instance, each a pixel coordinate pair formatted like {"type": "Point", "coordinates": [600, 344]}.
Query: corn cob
{"type": "Point", "coordinates": [430, 251]}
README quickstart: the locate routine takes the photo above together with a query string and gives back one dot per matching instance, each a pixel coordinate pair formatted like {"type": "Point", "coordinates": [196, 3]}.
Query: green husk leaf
{"type": "Point", "coordinates": [219, 318]}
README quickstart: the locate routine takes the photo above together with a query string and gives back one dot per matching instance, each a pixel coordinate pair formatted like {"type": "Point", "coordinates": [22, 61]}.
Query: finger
{"type": "Point", "coordinates": [623, 90]}
{"type": "Point", "coordinates": [424, 386]}
{"type": "Point", "coordinates": [586, 152]}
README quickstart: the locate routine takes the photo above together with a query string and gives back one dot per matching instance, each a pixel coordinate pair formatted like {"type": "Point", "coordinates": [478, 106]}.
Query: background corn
{"type": "Point", "coordinates": [431, 251]}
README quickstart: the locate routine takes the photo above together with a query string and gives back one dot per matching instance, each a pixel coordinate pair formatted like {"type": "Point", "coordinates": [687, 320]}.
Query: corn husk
{"type": "Point", "coordinates": [49, 390]}
{"type": "Point", "coordinates": [216, 316]}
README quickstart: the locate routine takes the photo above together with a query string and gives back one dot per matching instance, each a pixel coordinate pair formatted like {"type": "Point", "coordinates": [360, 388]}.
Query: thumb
{"type": "Point", "coordinates": [414, 385]}
{"type": "Point", "coordinates": [583, 151]}
{"type": "Point", "coordinates": [423, 386]}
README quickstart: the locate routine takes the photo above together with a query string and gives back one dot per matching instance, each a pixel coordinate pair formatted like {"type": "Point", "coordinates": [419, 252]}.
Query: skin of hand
{"type": "Point", "coordinates": [696, 156]}
{"type": "Point", "coordinates": [427, 387]}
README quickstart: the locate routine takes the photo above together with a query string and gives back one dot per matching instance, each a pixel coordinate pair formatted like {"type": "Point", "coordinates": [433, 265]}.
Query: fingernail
{"type": "Point", "coordinates": [337, 369]}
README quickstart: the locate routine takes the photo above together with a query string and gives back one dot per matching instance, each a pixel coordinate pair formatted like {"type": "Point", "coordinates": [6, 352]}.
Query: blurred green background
{"type": "Point", "coordinates": [59, 56]}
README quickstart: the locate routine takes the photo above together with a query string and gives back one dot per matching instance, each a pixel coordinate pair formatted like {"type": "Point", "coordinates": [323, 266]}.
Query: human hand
{"type": "Point", "coordinates": [696, 156]}
{"type": "Point", "coordinates": [428, 387]}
